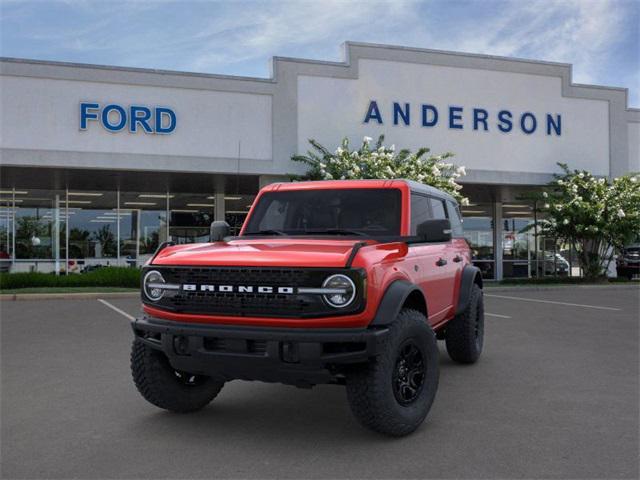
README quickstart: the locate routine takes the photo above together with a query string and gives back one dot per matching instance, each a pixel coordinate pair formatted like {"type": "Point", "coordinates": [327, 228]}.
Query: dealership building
{"type": "Point", "coordinates": [100, 164]}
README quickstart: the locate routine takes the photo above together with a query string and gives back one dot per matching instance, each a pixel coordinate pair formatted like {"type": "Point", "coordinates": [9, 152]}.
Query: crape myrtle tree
{"type": "Point", "coordinates": [376, 161]}
{"type": "Point", "coordinates": [596, 216]}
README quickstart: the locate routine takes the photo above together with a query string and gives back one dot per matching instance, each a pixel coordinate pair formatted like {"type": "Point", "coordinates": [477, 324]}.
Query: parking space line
{"type": "Point", "coordinates": [496, 315]}
{"type": "Point", "coordinates": [116, 309]}
{"type": "Point", "coordinates": [554, 302]}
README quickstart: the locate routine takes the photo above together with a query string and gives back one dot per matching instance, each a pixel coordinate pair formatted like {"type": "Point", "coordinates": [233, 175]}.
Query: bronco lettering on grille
{"type": "Point", "coordinates": [192, 287]}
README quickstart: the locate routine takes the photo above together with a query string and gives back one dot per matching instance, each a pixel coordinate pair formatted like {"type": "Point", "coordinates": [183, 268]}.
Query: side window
{"type": "Point", "coordinates": [420, 211]}
{"type": "Point", "coordinates": [437, 206]}
{"type": "Point", "coordinates": [455, 218]}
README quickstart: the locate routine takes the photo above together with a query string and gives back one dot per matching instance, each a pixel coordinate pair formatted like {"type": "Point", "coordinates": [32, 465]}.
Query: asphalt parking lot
{"type": "Point", "coordinates": [555, 395]}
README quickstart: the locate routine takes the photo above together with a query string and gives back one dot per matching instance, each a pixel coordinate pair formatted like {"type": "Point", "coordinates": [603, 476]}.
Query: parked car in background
{"type": "Point", "coordinates": [5, 261]}
{"type": "Point", "coordinates": [628, 263]}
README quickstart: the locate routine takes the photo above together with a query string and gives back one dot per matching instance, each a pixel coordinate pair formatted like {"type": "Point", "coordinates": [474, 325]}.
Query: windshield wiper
{"type": "Point", "coordinates": [337, 231]}
{"type": "Point", "coordinates": [266, 232]}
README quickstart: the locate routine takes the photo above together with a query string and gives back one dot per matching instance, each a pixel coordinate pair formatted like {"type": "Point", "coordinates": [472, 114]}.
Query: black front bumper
{"type": "Point", "coordinates": [297, 356]}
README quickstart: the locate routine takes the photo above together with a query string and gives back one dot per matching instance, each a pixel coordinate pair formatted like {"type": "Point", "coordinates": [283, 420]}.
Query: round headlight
{"type": "Point", "coordinates": [341, 290]}
{"type": "Point", "coordinates": [152, 285]}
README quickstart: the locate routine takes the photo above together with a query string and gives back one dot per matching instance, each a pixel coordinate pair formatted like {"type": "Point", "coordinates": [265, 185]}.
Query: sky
{"type": "Point", "coordinates": [601, 38]}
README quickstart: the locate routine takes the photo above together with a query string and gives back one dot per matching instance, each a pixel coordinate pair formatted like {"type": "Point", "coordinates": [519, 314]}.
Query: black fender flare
{"type": "Point", "coordinates": [470, 275]}
{"type": "Point", "coordinates": [392, 300]}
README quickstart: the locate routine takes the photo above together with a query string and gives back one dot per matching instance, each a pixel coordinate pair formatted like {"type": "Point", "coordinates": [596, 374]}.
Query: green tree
{"type": "Point", "coordinates": [595, 215]}
{"type": "Point", "coordinates": [377, 161]}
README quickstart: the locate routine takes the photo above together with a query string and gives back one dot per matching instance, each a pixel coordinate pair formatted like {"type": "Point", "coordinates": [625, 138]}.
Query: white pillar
{"type": "Point", "coordinates": [56, 234]}
{"type": "Point", "coordinates": [220, 207]}
{"type": "Point", "coordinates": [497, 239]}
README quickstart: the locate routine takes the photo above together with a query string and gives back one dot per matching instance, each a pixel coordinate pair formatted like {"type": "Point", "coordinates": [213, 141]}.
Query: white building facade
{"type": "Point", "coordinates": [100, 164]}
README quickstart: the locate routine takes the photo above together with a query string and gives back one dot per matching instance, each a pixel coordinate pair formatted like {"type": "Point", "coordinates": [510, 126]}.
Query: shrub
{"type": "Point", "coordinates": [102, 277]}
{"type": "Point", "coordinates": [380, 162]}
{"type": "Point", "coordinates": [595, 215]}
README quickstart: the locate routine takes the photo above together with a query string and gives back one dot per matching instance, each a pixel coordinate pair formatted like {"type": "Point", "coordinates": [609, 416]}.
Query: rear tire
{"type": "Point", "coordinates": [163, 386]}
{"type": "Point", "coordinates": [464, 335]}
{"type": "Point", "coordinates": [394, 393]}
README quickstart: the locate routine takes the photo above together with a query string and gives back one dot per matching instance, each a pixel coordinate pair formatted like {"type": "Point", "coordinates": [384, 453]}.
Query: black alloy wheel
{"type": "Point", "coordinates": [408, 374]}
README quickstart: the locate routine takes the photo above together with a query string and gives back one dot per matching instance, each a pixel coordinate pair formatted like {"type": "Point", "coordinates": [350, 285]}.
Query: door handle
{"type": "Point", "coordinates": [457, 259]}
{"type": "Point", "coordinates": [441, 262]}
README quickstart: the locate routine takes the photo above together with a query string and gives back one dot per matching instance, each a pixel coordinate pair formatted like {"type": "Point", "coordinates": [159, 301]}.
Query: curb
{"type": "Point", "coordinates": [510, 288]}
{"type": "Point", "coordinates": [66, 296]}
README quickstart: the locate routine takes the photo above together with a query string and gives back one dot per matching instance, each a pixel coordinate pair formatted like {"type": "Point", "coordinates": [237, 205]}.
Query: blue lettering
{"type": "Point", "coordinates": [523, 123]}
{"type": "Point", "coordinates": [373, 112]}
{"type": "Point", "coordinates": [162, 112]}
{"type": "Point", "coordinates": [557, 125]}
{"type": "Point", "coordinates": [504, 117]}
{"type": "Point", "coordinates": [455, 113]}
{"type": "Point", "coordinates": [399, 112]}
{"type": "Point", "coordinates": [425, 116]}
{"type": "Point", "coordinates": [139, 115]}
{"type": "Point", "coordinates": [480, 115]}
{"type": "Point", "coordinates": [105, 118]}
{"type": "Point", "coordinates": [85, 114]}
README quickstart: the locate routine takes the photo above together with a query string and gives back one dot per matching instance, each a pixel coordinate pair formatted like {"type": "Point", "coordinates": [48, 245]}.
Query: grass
{"type": "Point", "coordinates": [67, 290]}
{"type": "Point", "coordinates": [119, 277]}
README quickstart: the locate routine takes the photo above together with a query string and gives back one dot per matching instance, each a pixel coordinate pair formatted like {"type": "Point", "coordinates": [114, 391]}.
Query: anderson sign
{"type": "Point", "coordinates": [460, 118]}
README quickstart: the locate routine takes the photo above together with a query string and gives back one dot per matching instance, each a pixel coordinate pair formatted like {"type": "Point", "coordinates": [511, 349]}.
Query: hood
{"type": "Point", "coordinates": [284, 252]}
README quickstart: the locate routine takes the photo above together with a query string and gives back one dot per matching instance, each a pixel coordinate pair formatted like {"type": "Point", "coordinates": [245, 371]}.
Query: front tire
{"type": "Point", "coordinates": [394, 393]}
{"type": "Point", "coordinates": [163, 386]}
{"type": "Point", "coordinates": [464, 335]}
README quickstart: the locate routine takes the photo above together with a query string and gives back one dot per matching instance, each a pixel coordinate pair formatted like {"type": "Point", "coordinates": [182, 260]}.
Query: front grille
{"type": "Point", "coordinates": [253, 304]}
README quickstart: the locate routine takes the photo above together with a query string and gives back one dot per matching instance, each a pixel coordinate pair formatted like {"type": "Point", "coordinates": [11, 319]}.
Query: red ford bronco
{"type": "Point", "coordinates": [343, 282]}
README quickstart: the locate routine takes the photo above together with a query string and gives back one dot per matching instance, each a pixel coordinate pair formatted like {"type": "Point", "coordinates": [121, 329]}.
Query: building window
{"type": "Point", "coordinates": [518, 240]}
{"type": "Point", "coordinates": [92, 230]}
{"type": "Point", "coordinates": [236, 210]}
{"type": "Point", "coordinates": [191, 216]}
{"type": "Point", "coordinates": [143, 224]}
{"type": "Point", "coordinates": [478, 225]}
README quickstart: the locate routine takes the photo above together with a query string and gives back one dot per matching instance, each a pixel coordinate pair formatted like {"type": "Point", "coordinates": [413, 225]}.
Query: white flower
{"type": "Point", "coordinates": [339, 151]}
{"type": "Point", "coordinates": [565, 221]}
{"type": "Point", "coordinates": [464, 202]}
{"type": "Point", "coordinates": [461, 170]}
{"type": "Point", "coordinates": [581, 175]}
{"type": "Point", "coordinates": [545, 195]}
{"type": "Point", "coordinates": [633, 179]}
{"type": "Point", "coordinates": [367, 139]}
{"type": "Point", "coordinates": [621, 213]}
{"type": "Point", "coordinates": [546, 205]}
{"type": "Point", "coordinates": [560, 182]}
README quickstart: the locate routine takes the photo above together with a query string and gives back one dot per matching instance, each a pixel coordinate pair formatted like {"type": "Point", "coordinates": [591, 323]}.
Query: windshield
{"type": "Point", "coordinates": [359, 212]}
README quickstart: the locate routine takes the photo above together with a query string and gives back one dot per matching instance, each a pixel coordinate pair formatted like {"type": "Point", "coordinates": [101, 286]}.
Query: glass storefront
{"type": "Point", "coordinates": [77, 230]}
{"type": "Point", "coordinates": [479, 225]}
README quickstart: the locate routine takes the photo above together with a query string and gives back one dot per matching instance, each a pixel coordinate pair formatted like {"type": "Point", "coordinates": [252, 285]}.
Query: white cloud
{"type": "Point", "coordinates": [581, 32]}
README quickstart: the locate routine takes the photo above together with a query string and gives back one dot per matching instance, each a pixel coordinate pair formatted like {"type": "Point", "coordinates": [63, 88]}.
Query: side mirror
{"type": "Point", "coordinates": [434, 231]}
{"type": "Point", "coordinates": [219, 230]}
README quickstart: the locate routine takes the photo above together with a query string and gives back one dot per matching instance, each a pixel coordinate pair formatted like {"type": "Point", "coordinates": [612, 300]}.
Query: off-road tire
{"type": "Point", "coordinates": [160, 384]}
{"type": "Point", "coordinates": [464, 335]}
{"type": "Point", "coordinates": [371, 388]}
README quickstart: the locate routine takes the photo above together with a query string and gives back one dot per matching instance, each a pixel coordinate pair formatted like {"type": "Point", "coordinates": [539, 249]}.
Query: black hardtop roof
{"type": "Point", "coordinates": [429, 190]}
